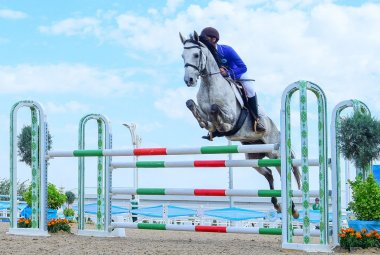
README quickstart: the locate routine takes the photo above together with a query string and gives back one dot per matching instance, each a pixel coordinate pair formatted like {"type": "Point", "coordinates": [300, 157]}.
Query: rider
{"type": "Point", "coordinates": [234, 67]}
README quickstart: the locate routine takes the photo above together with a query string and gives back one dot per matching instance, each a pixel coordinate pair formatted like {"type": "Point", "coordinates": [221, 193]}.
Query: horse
{"type": "Point", "coordinates": [219, 110]}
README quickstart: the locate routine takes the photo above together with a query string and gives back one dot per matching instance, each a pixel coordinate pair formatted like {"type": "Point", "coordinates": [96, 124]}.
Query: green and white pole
{"type": "Point", "coordinates": [286, 167]}
{"type": "Point", "coordinates": [104, 142]}
{"type": "Point", "coordinates": [39, 170]}
{"type": "Point", "coordinates": [335, 162]}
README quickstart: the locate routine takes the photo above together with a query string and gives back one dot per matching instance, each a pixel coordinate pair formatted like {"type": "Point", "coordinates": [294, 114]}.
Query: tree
{"type": "Point", "coordinates": [5, 186]}
{"type": "Point", "coordinates": [359, 139]}
{"type": "Point", "coordinates": [70, 198]}
{"type": "Point", "coordinates": [24, 144]}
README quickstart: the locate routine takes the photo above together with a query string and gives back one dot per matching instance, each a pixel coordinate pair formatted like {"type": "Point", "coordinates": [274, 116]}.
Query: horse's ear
{"type": "Point", "coordinates": [181, 37]}
{"type": "Point", "coordinates": [196, 36]}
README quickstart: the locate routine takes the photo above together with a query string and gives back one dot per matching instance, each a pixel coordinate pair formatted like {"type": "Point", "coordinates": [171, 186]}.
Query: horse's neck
{"type": "Point", "coordinates": [214, 78]}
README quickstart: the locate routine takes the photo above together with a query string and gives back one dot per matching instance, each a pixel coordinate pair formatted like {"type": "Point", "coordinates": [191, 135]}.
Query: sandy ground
{"type": "Point", "coordinates": [149, 242]}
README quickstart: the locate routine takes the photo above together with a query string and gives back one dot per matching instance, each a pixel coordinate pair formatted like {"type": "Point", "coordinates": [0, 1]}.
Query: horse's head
{"type": "Point", "coordinates": [194, 59]}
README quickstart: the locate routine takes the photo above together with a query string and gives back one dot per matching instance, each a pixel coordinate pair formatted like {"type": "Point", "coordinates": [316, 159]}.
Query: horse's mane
{"type": "Point", "coordinates": [212, 49]}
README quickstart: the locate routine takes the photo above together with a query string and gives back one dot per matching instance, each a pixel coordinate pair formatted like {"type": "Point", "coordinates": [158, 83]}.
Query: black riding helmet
{"type": "Point", "coordinates": [211, 32]}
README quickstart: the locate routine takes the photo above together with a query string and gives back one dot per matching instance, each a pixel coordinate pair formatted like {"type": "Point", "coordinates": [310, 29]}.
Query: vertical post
{"type": "Point", "coordinates": [286, 165]}
{"type": "Point", "coordinates": [323, 163]}
{"type": "Point", "coordinates": [304, 161]}
{"type": "Point", "coordinates": [335, 162]}
{"type": "Point", "coordinates": [230, 177]}
{"type": "Point", "coordinates": [35, 169]}
{"type": "Point", "coordinates": [136, 141]}
{"type": "Point", "coordinates": [99, 189]}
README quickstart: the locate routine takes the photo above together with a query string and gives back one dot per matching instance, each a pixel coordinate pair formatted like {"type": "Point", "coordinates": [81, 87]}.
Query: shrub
{"type": "Point", "coordinates": [55, 197]}
{"type": "Point", "coordinates": [68, 212]}
{"type": "Point", "coordinates": [55, 225]}
{"type": "Point", "coordinates": [350, 238]}
{"type": "Point", "coordinates": [365, 202]}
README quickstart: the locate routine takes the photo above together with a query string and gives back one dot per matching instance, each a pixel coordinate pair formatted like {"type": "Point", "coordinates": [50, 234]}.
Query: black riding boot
{"type": "Point", "coordinates": [253, 108]}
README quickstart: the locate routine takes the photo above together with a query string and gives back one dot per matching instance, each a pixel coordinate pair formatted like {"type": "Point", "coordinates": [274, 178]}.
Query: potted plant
{"type": "Point", "coordinates": [69, 213]}
{"type": "Point", "coordinates": [365, 204]}
{"type": "Point", "coordinates": [359, 139]}
{"type": "Point", "coordinates": [55, 199]}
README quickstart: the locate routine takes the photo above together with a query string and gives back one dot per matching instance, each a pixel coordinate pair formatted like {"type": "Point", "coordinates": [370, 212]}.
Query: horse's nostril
{"type": "Point", "coordinates": [191, 80]}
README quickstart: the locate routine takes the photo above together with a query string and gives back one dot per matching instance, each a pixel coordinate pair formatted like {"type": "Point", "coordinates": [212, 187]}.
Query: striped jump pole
{"type": "Point", "coordinates": [213, 229]}
{"type": "Point", "coordinates": [260, 148]}
{"type": "Point", "coordinates": [286, 167]}
{"type": "Point", "coordinates": [208, 163]}
{"type": "Point", "coordinates": [206, 192]}
{"type": "Point", "coordinates": [335, 161]}
{"type": "Point", "coordinates": [103, 182]}
{"type": "Point", "coordinates": [39, 170]}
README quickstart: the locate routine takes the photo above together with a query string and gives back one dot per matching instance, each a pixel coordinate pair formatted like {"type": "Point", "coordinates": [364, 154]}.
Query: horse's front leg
{"type": "Point", "coordinates": [223, 120]}
{"type": "Point", "coordinates": [199, 115]}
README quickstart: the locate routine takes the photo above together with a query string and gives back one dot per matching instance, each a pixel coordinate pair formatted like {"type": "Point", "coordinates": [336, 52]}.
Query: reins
{"type": "Point", "coordinates": [203, 72]}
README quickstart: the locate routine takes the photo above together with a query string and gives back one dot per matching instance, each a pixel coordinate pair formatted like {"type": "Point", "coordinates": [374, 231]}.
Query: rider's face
{"type": "Point", "coordinates": [212, 40]}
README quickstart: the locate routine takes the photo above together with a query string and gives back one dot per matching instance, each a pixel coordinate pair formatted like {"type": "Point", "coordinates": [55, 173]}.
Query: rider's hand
{"type": "Point", "coordinates": [223, 71]}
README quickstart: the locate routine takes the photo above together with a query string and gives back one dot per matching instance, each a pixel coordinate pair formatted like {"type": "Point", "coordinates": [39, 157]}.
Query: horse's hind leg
{"type": "Point", "coordinates": [267, 173]}
{"type": "Point", "coordinates": [295, 213]}
{"type": "Point", "coordinates": [199, 115]}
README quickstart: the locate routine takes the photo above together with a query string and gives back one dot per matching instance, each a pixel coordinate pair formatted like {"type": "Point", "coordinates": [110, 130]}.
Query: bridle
{"type": "Point", "coordinates": [202, 71]}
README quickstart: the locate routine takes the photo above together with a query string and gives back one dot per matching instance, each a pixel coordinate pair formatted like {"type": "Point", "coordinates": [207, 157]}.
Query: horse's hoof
{"type": "Point", "coordinates": [296, 214]}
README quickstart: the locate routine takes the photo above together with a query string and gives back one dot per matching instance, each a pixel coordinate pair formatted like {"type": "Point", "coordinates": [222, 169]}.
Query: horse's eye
{"type": "Point", "coordinates": [196, 55]}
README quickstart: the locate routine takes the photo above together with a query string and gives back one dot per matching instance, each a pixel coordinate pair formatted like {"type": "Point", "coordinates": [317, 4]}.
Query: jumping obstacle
{"type": "Point", "coordinates": [286, 164]}
{"type": "Point", "coordinates": [286, 167]}
{"type": "Point", "coordinates": [104, 141]}
{"type": "Point", "coordinates": [39, 170]}
{"type": "Point", "coordinates": [335, 161]}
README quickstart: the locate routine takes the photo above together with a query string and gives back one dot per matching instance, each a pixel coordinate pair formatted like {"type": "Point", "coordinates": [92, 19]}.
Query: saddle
{"type": "Point", "coordinates": [239, 92]}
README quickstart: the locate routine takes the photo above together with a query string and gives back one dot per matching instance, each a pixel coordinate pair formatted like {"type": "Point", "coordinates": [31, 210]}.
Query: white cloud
{"type": "Point", "coordinates": [72, 106]}
{"type": "Point", "coordinates": [64, 78]}
{"type": "Point", "coordinates": [171, 6]}
{"type": "Point", "coordinates": [172, 103]}
{"type": "Point", "coordinates": [11, 14]}
{"type": "Point", "coordinates": [333, 45]}
{"type": "Point", "coordinates": [73, 26]}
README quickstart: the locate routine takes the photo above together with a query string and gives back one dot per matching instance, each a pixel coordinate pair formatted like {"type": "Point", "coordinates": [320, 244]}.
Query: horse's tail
{"type": "Point", "coordinates": [296, 172]}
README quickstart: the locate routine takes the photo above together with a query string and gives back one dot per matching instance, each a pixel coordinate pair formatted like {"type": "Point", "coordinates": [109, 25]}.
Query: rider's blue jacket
{"type": "Point", "coordinates": [232, 61]}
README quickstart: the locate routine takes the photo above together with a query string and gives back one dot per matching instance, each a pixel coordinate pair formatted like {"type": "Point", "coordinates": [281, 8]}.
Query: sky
{"type": "Point", "coordinates": [123, 59]}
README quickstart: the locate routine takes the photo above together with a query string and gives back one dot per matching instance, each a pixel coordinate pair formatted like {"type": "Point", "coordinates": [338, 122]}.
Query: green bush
{"type": "Point", "coordinates": [55, 197]}
{"type": "Point", "coordinates": [359, 139]}
{"type": "Point", "coordinates": [68, 212]}
{"type": "Point", "coordinates": [365, 202]}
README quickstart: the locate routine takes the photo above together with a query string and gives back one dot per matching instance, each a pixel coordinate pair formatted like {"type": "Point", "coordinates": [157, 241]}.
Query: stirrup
{"type": "Point", "coordinates": [258, 126]}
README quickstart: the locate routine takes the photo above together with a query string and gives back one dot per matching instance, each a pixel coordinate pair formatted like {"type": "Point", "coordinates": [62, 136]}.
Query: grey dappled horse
{"type": "Point", "coordinates": [219, 110]}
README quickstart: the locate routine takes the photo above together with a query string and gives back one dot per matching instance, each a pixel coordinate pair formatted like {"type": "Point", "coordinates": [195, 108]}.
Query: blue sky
{"type": "Point", "coordinates": [123, 59]}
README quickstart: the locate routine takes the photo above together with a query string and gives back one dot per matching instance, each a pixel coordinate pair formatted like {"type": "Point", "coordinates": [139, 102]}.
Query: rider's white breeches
{"type": "Point", "coordinates": [249, 86]}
